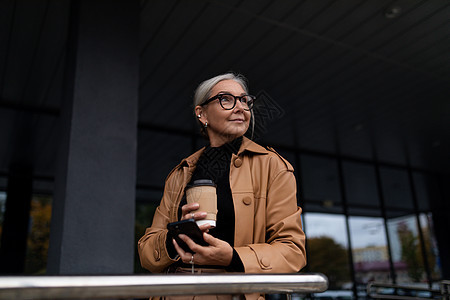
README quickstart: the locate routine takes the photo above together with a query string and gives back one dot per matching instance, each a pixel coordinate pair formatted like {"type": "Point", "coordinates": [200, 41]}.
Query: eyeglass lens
{"type": "Point", "coordinates": [229, 101]}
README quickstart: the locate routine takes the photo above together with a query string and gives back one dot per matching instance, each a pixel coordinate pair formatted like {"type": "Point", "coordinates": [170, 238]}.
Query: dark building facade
{"type": "Point", "coordinates": [95, 110]}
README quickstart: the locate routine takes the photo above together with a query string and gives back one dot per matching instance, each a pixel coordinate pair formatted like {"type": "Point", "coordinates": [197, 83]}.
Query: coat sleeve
{"type": "Point", "coordinates": [283, 250]}
{"type": "Point", "coordinates": [152, 249]}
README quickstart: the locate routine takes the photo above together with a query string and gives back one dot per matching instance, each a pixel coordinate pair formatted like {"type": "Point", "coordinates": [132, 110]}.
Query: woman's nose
{"type": "Point", "coordinates": [239, 105]}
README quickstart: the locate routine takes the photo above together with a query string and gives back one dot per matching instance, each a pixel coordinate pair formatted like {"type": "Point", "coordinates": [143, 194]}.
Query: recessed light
{"type": "Point", "coordinates": [392, 12]}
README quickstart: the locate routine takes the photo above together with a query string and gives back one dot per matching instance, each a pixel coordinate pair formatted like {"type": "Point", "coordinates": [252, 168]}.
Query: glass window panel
{"type": "Point", "coordinates": [149, 195]}
{"type": "Point", "coordinates": [320, 206]}
{"type": "Point", "coordinates": [426, 188]}
{"type": "Point", "coordinates": [432, 252]}
{"type": "Point", "coordinates": [3, 183]}
{"type": "Point", "coordinates": [2, 210]}
{"type": "Point", "coordinates": [160, 153]}
{"type": "Point", "coordinates": [396, 189]}
{"type": "Point", "coordinates": [328, 248]}
{"type": "Point", "coordinates": [444, 180]}
{"type": "Point", "coordinates": [320, 183]}
{"type": "Point", "coordinates": [43, 186]}
{"type": "Point", "coordinates": [360, 185]}
{"type": "Point", "coordinates": [370, 250]}
{"type": "Point", "coordinates": [289, 156]}
{"type": "Point", "coordinates": [39, 234]}
{"type": "Point", "coordinates": [368, 212]}
{"type": "Point", "coordinates": [406, 249]}
{"type": "Point", "coordinates": [144, 218]}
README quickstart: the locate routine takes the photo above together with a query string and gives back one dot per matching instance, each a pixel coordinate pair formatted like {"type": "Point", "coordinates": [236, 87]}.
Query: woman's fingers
{"type": "Point", "coordinates": [180, 250]}
{"type": "Point", "coordinates": [187, 212]}
{"type": "Point", "coordinates": [210, 239]}
{"type": "Point", "coordinates": [184, 256]}
{"type": "Point", "coordinates": [205, 227]}
{"type": "Point", "coordinates": [191, 244]}
{"type": "Point", "coordinates": [217, 253]}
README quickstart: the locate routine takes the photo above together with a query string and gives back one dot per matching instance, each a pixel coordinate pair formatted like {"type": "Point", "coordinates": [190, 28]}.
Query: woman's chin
{"type": "Point", "coordinates": [237, 132]}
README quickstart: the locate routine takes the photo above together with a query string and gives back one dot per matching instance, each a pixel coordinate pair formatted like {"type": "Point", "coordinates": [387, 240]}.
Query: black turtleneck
{"type": "Point", "coordinates": [214, 164]}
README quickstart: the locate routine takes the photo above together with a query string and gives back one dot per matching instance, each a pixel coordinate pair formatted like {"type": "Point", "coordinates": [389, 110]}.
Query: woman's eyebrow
{"type": "Point", "coordinates": [227, 92]}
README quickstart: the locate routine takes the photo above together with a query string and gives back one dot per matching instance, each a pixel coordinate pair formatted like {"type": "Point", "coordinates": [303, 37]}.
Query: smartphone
{"type": "Point", "coordinates": [189, 228]}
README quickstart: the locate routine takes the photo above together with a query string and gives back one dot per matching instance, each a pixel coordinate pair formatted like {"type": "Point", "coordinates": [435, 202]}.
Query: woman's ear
{"type": "Point", "coordinates": [200, 114]}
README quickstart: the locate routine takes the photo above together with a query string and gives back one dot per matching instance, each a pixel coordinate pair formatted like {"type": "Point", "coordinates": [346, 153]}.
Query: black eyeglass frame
{"type": "Point", "coordinates": [218, 96]}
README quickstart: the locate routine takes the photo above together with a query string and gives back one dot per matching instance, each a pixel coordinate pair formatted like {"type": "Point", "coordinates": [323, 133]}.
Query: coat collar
{"type": "Point", "coordinates": [251, 146]}
{"type": "Point", "coordinates": [247, 145]}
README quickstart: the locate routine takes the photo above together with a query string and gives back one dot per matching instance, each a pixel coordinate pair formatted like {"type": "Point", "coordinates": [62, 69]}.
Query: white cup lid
{"type": "Point", "coordinates": [210, 222]}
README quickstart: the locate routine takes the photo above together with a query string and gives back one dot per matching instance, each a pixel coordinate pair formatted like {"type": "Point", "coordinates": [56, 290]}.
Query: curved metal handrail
{"type": "Point", "coordinates": [75, 287]}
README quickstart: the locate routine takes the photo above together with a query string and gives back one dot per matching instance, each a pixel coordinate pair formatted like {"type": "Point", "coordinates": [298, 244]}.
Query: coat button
{"type": "Point", "coordinates": [237, 162]}
{"type": "Point", "coordinates": [265, 262]}
{"type": "Point", "coordinates": [247, 200]}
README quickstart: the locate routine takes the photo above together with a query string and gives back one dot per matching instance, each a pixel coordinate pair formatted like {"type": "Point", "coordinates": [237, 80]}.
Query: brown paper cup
{"type": "Point", "coordinates": [204, 193]}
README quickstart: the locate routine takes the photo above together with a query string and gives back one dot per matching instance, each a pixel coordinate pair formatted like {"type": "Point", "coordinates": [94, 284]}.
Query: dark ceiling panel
{"type": "Point", "coordinates": [346, 78]}
{"type": "Point", "coordinates": [25, 34]}
{"type": "Point", "coordinates": [49, 53]}
{"type": "Point", "coordinates": [7, 11]}
{"type": "Point", "coordinates": [281, 12]}
{"type": "Point", "coordinates": [306, 13]}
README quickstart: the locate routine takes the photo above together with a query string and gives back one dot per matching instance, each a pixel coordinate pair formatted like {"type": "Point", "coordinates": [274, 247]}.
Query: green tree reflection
{"type": "Point", "coordinates": [330, 258]}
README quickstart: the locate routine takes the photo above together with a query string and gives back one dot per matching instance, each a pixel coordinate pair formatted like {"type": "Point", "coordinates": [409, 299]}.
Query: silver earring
{"type": "Point", "coordinates": [198, 116]}
{"type": "Point", "coordinates": [206, 124]}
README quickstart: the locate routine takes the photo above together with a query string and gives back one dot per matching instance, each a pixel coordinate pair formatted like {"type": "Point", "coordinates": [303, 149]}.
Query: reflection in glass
{"type": "Point", "coordinates": [39, 235]}
{"type": "Point", "coordinates": [328, 248]}
{"type": "Point", "coordinates": [144, 218]}
{"type": "Point", "coordinates": [406, 249]}
{"type": "Point", "coordinates": [2, 210]}
{"type": "Point", "coordinates": [370, 250]}
{"type": "Point", "coordinates": [432, 252]}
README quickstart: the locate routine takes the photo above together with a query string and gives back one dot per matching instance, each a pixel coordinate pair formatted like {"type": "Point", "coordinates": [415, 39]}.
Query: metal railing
{"type": "Point", "coordinates": [377, 290]}
{"type": "Point", "coordinates": [445, 289]}
{"type": "Point", "coordinates": [144, 286]}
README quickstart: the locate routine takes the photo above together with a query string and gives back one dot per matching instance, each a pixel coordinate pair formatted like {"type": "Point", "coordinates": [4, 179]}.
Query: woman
{"type": "Point", "coordinates": [258, 222]}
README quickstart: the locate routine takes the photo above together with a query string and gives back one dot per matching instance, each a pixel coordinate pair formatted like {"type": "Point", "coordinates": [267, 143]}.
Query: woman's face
{"type": "Point", "coordinates": [224, 125]}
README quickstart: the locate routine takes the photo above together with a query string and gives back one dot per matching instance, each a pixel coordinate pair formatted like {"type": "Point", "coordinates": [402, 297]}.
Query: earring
{"type": "Point", "coordinates": [198, 116]}
{"type": "Point", "coordinates": [206, 124]}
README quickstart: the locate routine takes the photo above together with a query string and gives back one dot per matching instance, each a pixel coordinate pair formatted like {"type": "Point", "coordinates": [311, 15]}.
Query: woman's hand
{"type": "Point", "coordinates": [218, 253]}
{"type": "Point", "coordinates": [187, 212]}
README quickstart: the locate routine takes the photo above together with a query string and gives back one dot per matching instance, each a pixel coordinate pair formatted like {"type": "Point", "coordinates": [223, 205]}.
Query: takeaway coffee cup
{"type": "Point", "coordinates": [203, 191]}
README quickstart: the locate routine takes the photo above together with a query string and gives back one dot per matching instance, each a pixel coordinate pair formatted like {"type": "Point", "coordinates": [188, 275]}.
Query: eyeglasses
{"type": "Point", "coordinates": [228, 101]}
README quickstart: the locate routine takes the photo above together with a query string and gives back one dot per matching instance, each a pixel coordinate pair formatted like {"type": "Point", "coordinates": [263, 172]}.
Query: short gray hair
{"type": "Point", "coordinates": [203, 91]}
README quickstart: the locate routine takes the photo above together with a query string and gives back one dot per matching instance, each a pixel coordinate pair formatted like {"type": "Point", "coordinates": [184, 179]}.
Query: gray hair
{"type": "Point", "coordinates": [203, 93]}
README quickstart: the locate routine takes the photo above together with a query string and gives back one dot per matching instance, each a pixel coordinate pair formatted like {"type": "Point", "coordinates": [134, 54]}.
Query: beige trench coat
{"type": "Point", "coordinates": [270, 238]}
